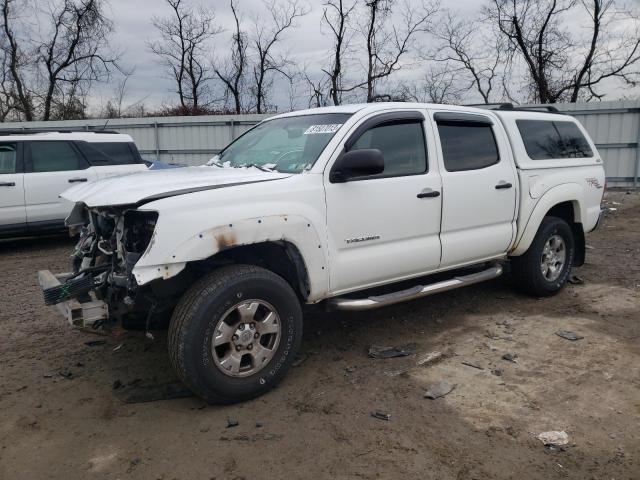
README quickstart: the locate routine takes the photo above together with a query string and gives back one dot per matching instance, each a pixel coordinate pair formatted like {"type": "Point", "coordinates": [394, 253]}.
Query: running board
{"type": "Point", "coordinates": [412, 293]}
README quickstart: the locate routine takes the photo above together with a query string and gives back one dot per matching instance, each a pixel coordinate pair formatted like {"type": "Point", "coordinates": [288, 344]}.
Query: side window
{"type": "Point", "coordinates": [545, 140]}
{"type": "Point", "coordinates": [118, 153]}
{"type": "Point", "coordinates": [467, 146]}
{"type": "Point", "coordinates": [402, 144]}
{"type": "Point", "coordinates": [8, 158]}
{"type": "Point", "coordinates": [54, 157]}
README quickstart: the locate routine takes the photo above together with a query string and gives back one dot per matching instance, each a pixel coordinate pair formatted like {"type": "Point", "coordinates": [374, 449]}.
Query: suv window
{"type": "Point", "coordinates": [544, 140]}
{"type": "Point", "coordinates": [119, 153]}
{"type": "Point", "coordinates": [467, 146]}
{"type": "Point", "coordinates": [402, 144]}
{"type": "Point", "coordinates": [8, 158]}
{"type": "Point", "coordinates": [51, 156]}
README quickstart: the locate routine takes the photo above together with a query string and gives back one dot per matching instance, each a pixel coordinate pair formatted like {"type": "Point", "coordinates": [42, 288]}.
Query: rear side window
{"type": "Point", "coordinates": [467, 146]}
{"type": "Point", "coordinates": [8, 158]}
{"type": "Point", "coordinates": [546, 140]}
{"type": "Point", "coordinates": [402, 144]}
{"type": "Point", "coordinates": [118, 153]}
{"type": "Point", "coordinates": [54, 157]}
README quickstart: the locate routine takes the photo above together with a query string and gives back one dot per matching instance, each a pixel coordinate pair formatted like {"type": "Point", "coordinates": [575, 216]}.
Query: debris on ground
{"type": "Point", "coordinates": [95, 343]}
{"type": "Point", "coordinates": [381, 415]}
{"type": "Point", "coordinates": [153, 393]}
{"type": "Point", "coordinates": [68, 374]}
{"type": "Point", "coordinates": [232, 422]}
{"type": "Point", "coordinates": [576, 280]}
{"type": "Point", "coordinates": [118, 347]}
{"type": "Point", "coordinates": [497, 372]}
{"type": "Point", "coordinates": [439, 389]}
{"type": "Point", "coordinates": [117, 384]}
{"type": "Point", "coordinates": [554, 440]}
{"type": "Point", "coordinates": [472, 364]}
{"type": "Point", "coordinates": [510, 357]}
{"type": "Point", "coordinates": [391, 352]}
{"type": "Point", "coordinates": [569, 335]}
{"type": "Point", "coordinates": [428, 358]}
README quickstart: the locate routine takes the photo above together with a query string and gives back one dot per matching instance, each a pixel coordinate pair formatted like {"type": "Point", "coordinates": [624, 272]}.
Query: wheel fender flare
{"type": "Point", "coordinates": [567, 192]}
{"type": "Point", "coordinates": [167, 261]}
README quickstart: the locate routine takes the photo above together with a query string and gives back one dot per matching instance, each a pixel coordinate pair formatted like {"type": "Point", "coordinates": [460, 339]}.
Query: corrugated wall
{"type": "Point", "coordinates": [183, 140]}
{"type": "Point", "coordinates": [614, 127]}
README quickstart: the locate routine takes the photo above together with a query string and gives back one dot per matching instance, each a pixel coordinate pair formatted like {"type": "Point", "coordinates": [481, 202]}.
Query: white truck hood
{"type": "Point", "coordinates": [155, 184]}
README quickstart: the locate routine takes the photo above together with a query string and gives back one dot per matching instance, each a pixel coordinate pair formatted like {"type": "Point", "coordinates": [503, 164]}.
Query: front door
{"type": "Point", "coordinates": [12, 211]}
{"type": "Point", "coordinates": [386, 226]}
{"type": "Point", "coordinates": [51, 168]}
{"type": "Point", "coordinates": [479, 188]}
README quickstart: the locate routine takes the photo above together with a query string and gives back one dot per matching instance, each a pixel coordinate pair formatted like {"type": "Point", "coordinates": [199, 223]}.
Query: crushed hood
{"type": "Point", "coordinates": [152, 185]}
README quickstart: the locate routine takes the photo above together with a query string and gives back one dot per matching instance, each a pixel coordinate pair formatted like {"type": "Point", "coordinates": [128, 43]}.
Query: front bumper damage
{"type": "Point", "coordinates": [101, 290]}
{"type": "Point", "coordinates": [89, 313]}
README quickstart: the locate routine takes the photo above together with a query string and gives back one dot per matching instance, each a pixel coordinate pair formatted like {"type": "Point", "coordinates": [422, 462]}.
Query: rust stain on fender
{"type": "Point", "coordinates": [225, 240]}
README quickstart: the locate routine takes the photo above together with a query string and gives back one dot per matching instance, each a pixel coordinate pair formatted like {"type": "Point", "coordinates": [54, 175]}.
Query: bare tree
{"type": "Point", "coordinates": [264, 40]}
{"type": "Point", "coordinates": [16, 61]}
{"type": "Point", "coordinates": [338, 17]}
{"type": "Point", "coordinates": [465, 48]}
{"type": "Point", "coordinates": [7, 90]}
{"type": "Point", "coordinates": [560, 64]}
{"type": "Point", "coordinates": [182, 48]}
{"type": "Point", "coordinates": [74, 54]}
{"type": "Point", "coordinates": [317, 90]}
{"type": "Point", "coordinates": [387, 45]}
{"type": "Point", "coordinates": [441, 84]}
{"type": "Point", "coordinates": [232, 74]}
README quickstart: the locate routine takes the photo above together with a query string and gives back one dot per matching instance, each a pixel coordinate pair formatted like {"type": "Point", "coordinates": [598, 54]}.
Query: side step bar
{"type": "Point", "coordinates": [412, 293]}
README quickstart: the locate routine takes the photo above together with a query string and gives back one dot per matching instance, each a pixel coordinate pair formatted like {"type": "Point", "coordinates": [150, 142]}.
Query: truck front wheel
{"type": "Point", "coordinates": [545, 267]}
{"type": "Point", "coordinates": [235, 333]}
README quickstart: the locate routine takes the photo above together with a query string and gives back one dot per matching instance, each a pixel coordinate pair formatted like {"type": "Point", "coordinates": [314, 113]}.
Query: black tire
{"type": "Point", "coordinates": [197, 316]}
{"type": "Point", "coordinates": [526, 269]}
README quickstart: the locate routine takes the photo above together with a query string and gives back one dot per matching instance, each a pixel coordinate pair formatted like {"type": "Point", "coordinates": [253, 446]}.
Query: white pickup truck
{"type": "Point", "coordinates": [354, 206]}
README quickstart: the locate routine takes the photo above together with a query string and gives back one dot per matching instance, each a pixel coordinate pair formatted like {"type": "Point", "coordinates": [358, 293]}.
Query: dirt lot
{"type": "Point", "coordinates": [61, 417]}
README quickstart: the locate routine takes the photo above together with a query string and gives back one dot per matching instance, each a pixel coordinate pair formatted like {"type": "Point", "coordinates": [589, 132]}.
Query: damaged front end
{"type": "Point", "coordinates": [101, 290]}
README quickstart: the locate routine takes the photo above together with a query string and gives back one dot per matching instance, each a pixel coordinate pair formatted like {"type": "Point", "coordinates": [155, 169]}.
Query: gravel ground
{"type": "Point", "coordinates": [62, 418]}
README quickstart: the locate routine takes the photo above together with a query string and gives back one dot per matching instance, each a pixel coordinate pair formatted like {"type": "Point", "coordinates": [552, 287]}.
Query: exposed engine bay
{"type": "Point", "coordinates": [111, 241]}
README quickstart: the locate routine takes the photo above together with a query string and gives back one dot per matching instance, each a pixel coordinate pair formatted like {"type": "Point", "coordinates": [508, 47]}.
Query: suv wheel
{"type": "Point", "coordinates": [235, 333]}
{"type": "Point", "coordinates": [544, 269]}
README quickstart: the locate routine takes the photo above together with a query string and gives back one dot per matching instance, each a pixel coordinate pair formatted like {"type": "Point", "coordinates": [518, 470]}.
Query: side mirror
{"type": "Point", "coordinates": [357, 163]}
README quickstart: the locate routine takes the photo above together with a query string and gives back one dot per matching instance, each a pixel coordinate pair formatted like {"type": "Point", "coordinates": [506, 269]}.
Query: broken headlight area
{"type": "Point", "coordinates": [110, 244]}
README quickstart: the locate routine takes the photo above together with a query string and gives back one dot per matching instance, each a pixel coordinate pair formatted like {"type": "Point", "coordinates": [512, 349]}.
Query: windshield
{"type": "Point", "coordinates": [290, 144]}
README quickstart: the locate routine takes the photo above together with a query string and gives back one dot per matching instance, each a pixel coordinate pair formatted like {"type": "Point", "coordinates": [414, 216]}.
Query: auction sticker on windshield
{"type": "Point", "coordinates": [315, 129]}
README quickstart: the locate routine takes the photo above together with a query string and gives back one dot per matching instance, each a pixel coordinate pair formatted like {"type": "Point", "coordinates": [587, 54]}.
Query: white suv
{"type": "Point", "coordinates": [36, 167]}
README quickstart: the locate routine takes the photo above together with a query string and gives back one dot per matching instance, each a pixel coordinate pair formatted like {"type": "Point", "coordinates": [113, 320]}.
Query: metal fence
{"type": "Point", "coordinates": [614, 127]}
{"type": "Point", "coordinates": [182, 140]}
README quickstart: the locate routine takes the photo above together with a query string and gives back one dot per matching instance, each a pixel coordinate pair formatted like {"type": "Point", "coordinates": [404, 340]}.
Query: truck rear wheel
{"type": "Point", "coordinates": [235, 333]}
{"type": "Point", "coordinates": [545, 267]}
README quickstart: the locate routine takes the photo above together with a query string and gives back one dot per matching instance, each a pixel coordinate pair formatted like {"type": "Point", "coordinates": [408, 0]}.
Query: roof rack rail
{"type": "Point", "coordinates": [517, 108]}
{"type": "Point", "coordinates": [32, 131]}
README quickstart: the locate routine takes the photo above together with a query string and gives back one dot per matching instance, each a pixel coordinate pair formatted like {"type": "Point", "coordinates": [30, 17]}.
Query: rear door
{"type": "Point", "coordinates": [109, 159]}
{"type": "Point", "coordinates": [479, 183]}
{"type": "Point", "coordinates": [12, 210]}
{"type": "Point", "coordinates": [51, 168]}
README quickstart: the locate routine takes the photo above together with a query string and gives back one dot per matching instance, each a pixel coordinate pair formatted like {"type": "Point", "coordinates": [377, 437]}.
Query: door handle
{"type": "Point", "coordinates": [8, 184]}
{"type": "Point", "coordinates": [428, 193]}
{"type": "Point", "coordinates": [77, 180]}
{"type": "Point", "coordinates": [503, 185]}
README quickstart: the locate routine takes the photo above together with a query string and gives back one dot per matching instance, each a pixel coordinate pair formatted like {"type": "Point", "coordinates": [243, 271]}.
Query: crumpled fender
{"type": "Point", "coordinates": [166, 261]}
{"type": "Point", "coordinates": [566, 192]}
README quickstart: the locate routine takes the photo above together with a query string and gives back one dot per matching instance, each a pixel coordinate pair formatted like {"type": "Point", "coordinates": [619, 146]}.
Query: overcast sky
{"type": "Point", "coordinates": [307, 46]}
